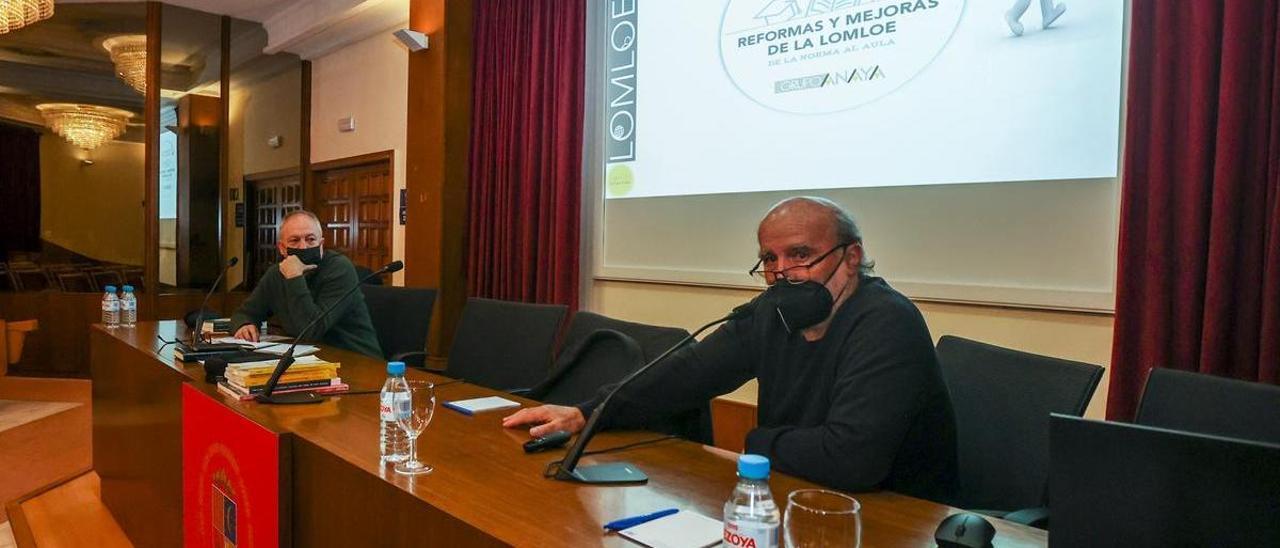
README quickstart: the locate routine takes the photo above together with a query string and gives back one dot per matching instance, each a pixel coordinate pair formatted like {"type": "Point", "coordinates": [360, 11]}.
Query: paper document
{"type": "Point", "coordinates": [274, 346]}
{"type": "Point", "coordinates": [300, 360]}
{"type": "Point", "coordinates": [683, 529]}
{"type": "Point", "coordinates": [479, 405]}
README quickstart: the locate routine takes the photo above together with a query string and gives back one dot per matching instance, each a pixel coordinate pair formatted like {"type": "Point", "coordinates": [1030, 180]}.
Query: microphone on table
{"type": "Point", "coordinates": [198, 324]}
{"type": "Point", "coordinates": [286, 359]}
{"type": "Point", "coordinates": [623, 472]}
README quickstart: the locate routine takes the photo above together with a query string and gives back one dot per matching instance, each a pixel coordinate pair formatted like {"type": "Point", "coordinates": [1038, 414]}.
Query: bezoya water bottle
{"type": "Point", "coordinates": [394, 442]}
{"type": "Point", "coordinates": [128, 307]}
{"type": "Point", "coordinates": [751, 519]}
{"type": "Point", "coordinates": [110, 307]}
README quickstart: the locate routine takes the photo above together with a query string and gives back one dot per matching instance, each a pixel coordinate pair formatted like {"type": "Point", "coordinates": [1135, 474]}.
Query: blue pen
{"type": "Point", "coordinates": [620, 524]}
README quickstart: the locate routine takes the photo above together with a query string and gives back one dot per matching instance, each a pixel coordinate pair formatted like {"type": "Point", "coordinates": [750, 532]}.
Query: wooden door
{"type": "Point", "coordinates": [355, 207]}
{"type": "Point", "coordinates": [269, 197]}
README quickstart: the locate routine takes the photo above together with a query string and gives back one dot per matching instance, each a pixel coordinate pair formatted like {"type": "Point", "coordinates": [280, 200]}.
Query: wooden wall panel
{"type": "Point", "coordinates": [730, 422]}
{"type": "Point", "coordinates": [438, 148]}
{"type": "Point", "coordinates": [60, 347]}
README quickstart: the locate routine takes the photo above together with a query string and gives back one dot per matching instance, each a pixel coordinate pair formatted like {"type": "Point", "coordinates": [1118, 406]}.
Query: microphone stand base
{"type": "Point", "coordinates": [604, 474]}
{"type": "Point", "coordinates": [290, 398]}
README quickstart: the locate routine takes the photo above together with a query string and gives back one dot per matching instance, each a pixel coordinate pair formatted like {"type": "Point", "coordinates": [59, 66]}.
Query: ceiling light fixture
{"type": "Point", "coordinates": [129, 54]}
{"type": "Point", "coordinates": [86, 126]}
{"type": "Point", "coordinates": [15, 14]}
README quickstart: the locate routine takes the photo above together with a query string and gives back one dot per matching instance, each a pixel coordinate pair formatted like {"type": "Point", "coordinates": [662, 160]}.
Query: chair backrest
{"type": "Point", "coordinates": [133, 276]}
{"type": "Point", "coordinates": [75, 282]}
{"type": "Point", "coordinates": [1120, 484]}
{"type": "Point", "coordinates": [1207, 404]}
{"type": "Point", "coordinates": [603, 357]}
{"type": "Point", "coordinates": [1002, 400]}
{"type": "Point", "coordinates": [106, 276]}
{"type": "Point", "coordinates": [30, 278]}
{"type": "Point", "coordinates": [653, 339]}
{"type": "Point", "coordinates": [504, 345]}
{"type": "Point", "coordinates": [401, 316]}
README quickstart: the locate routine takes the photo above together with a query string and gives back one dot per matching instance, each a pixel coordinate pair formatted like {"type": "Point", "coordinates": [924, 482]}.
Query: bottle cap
{"type": "Point", "coordinates": [110, 289]}
{"type": "Point", "coordinates": [128, 289]}
{"type": "Point", "coordinates": [395, 368]}
{"type": "Point", "coordinates": [754, 467]}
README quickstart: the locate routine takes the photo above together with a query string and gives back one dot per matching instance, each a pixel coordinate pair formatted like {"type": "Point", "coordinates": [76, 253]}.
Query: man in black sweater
{"type": "Point", "coordinates": [854, 401]}
{"type": "Point", "coordinates": [297, 289]}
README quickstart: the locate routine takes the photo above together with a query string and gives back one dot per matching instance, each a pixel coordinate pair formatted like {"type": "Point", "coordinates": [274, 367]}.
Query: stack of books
{"type": "Point", "coordinates": [307, 374]}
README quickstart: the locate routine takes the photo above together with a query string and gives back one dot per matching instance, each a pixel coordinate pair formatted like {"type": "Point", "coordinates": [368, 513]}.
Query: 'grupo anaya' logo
{"type": "Point", "coordinates": [820, 56]}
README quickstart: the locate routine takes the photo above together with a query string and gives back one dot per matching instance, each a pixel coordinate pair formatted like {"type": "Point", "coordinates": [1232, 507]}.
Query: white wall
{"type": "Point", "coordinates": [368, 80]}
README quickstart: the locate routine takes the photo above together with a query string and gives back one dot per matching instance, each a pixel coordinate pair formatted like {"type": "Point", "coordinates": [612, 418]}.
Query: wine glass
{"type": "Point", "coordinates": [413, 416]}
{"type": "Point", "coordinates": [817, 517]}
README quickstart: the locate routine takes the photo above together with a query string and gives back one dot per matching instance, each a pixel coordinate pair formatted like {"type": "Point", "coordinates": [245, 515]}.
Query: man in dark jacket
{"type": "Point", "coordinates": [306, 281]}
{"type": "Point", "coordinates": [853, 399]}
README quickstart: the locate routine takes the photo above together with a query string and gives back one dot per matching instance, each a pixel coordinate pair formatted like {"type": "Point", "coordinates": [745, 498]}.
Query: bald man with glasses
{"type": "Point", "coordinates": [853, 399]}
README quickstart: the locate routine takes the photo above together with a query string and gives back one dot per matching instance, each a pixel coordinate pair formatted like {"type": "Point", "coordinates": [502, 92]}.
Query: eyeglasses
{"type": "Point", "coordinates": [792, 274]}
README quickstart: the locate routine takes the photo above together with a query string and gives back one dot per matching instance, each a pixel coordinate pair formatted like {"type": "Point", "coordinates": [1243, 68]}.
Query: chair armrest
{"type": "Point", "coordinates": [1034, 517]}
{"type": "Point", "coordinates": [416, 359]}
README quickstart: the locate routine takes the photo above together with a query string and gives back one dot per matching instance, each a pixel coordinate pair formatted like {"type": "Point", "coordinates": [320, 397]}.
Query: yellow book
{"type": "Point", "coordinates": [255, 380]}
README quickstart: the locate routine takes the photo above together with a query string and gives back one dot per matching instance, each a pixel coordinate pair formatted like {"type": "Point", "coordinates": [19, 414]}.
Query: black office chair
{"type": "Point", "coordinates": [600, 358]}
{"type": "Point", "coordinates": [504, 345]}
{"type": "Point", "coordinates": [1002, 400]}
{"type": "Point", "coordinates": [401, 318]}
{"type": "Point", "coordinates": [599, 350]}
{"type": "Point", "coordinates": [1207, 404]}
{"type": "Point", "coordinates": [653, 339]}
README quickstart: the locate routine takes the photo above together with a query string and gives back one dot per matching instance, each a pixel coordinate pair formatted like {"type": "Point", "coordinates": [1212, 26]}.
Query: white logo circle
{"type": "Point", "coordinates": [821, 56]}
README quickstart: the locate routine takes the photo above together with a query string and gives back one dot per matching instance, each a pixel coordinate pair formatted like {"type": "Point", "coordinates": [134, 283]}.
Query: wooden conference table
{"type": "Point", "coordinates": [484, 491]}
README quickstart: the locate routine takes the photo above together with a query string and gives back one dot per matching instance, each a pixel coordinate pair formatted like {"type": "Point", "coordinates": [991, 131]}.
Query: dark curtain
{"type": "Point", "coordinates": [19, 189]}
{"type": "Point", "coordinates": [1198, 286]}
{"type": "Point", "coordinates": [526, 150]}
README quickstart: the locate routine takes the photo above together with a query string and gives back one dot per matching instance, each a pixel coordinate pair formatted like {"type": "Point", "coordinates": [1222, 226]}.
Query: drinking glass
{"type": "Point", "coordinates": [817, 517]}
{"type": "Point", "coordinates": [413, 416]}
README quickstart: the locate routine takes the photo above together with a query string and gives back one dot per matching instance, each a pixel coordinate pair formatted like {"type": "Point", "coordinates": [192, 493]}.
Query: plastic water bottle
{"type": "Point", "coordinates": [394, 442]}
{"type": "Point", "coordinates": [128, 308]}
{"type": "Point", "coordinates": [110, 307]}
{"type": "Point", "coordinates": [751, 519]}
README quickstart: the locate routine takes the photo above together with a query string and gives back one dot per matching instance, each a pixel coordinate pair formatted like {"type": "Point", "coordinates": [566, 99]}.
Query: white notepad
{"type": "Point", "coordinates": [480, 405]}
{"type": "Point", "coordinates": [683, 529]}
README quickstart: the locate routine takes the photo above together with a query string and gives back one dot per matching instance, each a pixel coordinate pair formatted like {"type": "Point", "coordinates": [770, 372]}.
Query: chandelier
{"type": "Point", "coordinates": [129, 54]}
{"type": "Point", "coordinates": [15, 14]}
{"type": "Point", "coordinates": [86, 126]}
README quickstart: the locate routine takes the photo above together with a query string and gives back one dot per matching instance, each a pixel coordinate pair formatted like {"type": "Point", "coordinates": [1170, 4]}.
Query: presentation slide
{"type": "Point", "coordinates": [708, 97]}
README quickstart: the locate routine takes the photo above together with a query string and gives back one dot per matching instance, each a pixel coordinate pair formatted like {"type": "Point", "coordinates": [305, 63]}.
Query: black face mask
{"type": "Point", "coordinates": [801, 305]}
{"type": "Point", "coordinates": [308, 255]}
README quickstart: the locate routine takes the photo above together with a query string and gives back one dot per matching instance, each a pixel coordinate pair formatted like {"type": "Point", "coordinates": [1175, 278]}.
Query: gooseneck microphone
{"type": "Point", "coordinates": [623, 472]}
{"type": "Point", "coordinates": [286, 359]}
{"type": "Point", "coordinates": [199, 323]}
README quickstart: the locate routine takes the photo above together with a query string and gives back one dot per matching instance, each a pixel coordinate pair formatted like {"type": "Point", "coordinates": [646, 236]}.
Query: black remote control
{"type": "Point", "coordinates": [549, 441]}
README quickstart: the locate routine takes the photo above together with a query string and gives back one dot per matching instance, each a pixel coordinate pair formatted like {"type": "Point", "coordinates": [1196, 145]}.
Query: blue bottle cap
{"type": "Point", "coordinates": [395, 368]}
{"type": "Point", "coordinates": [128, 289]}
{"type": "Point", "coordinates": [110, 289]}
{"type": "Point", "coordinates": [754, 467]}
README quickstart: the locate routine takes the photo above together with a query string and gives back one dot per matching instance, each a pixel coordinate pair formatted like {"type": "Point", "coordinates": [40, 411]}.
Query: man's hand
{"type": "Point", "coordinates": [291, 267]}
{"type": "Point", "coordinates": [547, 419]}
{"type": "Point", "coordinates": [247, 332]}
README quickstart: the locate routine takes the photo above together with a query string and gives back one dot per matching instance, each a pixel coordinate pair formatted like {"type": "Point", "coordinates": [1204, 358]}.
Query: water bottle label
{"type": "Point", "coordinates": [393, 404]}
{"type": "Point", "coordinates": [750, 535]}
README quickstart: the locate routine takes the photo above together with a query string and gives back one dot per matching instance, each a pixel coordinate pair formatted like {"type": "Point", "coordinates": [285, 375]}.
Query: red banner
{"type": "Point", "coordinates": [231, 477]}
